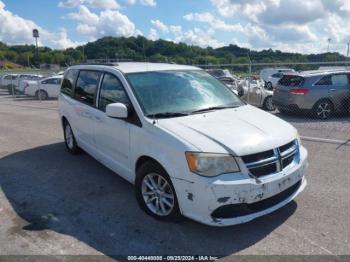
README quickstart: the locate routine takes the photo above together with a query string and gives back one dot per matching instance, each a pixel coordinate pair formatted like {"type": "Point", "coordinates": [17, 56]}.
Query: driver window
{"type": "Point", "coordinates": [112, 91]}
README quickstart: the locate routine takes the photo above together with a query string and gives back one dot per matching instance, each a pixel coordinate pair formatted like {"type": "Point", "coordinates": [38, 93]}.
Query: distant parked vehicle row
{"type": "Point", "coordinates": [14, 82]}
{"type": "Point", "coordinates": [45, 88]}
{"type": "Point", "coordinates": [253, 91]}
{"type": "Point", "coordinates": [321, 92]}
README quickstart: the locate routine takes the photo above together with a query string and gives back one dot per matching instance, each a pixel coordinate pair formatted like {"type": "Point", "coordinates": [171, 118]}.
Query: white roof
{"type": "Point", "coordinates": [136, 67]}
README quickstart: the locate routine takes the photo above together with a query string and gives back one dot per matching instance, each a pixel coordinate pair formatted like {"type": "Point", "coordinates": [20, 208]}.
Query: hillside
{"type": "Point", "coordinates": [141, 49]}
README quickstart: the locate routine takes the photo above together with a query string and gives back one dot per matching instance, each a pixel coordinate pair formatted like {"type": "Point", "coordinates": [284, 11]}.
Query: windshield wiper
{"type": "Point", "coordinates": [167, 115]}
{"type": "Point", "coordinates": [212, 108]}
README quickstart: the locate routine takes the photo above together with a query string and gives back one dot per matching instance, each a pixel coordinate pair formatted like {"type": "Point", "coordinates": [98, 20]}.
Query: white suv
{"type": "Point", "coordinates": [189, 145]}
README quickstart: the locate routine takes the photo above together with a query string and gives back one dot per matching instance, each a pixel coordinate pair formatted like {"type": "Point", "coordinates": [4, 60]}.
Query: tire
{"type": "Point", "coordinates": [269, 86]}
{"type": "Point", "coordinates": [41, 95]}
{"type": "Point", "coordinates": [69, 139]}
{"type": "Point", "coordinates": [163, 204]}
{"type": "Point", "coordinates": [323, 109]}
{"type": "Point", "coordinates": [9, 89]}
{"type": "Point", "coordinates": [268, 104]}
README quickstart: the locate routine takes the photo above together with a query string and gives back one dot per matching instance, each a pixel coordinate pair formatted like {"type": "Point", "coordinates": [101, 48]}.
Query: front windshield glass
{"type": "Point", "coordinates": [165, 92]}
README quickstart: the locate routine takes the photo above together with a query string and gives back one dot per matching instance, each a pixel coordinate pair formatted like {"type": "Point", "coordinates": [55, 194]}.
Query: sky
{"type": "Point", "coordinates": [303, 26]}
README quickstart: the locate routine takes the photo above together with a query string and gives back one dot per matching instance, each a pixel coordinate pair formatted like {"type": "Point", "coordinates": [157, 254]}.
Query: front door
{"type": "Point", "coordinates": [112, 136]}
{"type": "Point", "coordinates": [339, 90]}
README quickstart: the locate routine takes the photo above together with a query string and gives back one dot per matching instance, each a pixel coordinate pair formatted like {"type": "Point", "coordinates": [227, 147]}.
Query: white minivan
{"type": "Point", "coordinates": [189, 145]}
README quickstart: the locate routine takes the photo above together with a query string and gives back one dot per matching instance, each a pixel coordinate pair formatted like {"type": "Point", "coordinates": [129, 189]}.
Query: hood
{"type": "Point", "coordinates": [243, 131]}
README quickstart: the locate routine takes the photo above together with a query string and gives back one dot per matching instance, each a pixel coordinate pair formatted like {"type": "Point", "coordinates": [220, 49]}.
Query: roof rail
{"type": "Point", "coordinates": [104, 64]}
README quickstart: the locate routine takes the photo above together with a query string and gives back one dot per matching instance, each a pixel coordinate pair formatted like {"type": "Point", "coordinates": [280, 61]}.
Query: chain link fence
{"type": "Point", "coordinates": [314, 97]}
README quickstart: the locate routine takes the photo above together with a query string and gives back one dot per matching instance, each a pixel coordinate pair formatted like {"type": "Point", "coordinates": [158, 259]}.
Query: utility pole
{"type": "Point", "coordinates": [83, 54]}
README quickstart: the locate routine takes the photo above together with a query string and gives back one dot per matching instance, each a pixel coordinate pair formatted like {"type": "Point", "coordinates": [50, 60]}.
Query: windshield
{"type": "Point", "coordinates": [185, 92]}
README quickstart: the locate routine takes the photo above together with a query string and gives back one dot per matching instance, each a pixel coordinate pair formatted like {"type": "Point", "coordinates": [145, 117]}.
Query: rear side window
{"type": "Point", "coordinates": [291, 81]}
{"type": "Point", "coordinates": [340, 80]}
{"type": "Point", "coordinates": [69, 82]}
{"type": "Point", "coordinates": [112, 91]}
{"type": "Point", "coordinates": [85, 90]}
{"type": "Point", "coordinates": [277, 75]}
{"type": "Point", "coordinates": [52, 81]}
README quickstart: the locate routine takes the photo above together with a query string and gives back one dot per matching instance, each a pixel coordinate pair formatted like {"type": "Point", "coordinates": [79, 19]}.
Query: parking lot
{"type": "Point", "coordinates": [54, 203]}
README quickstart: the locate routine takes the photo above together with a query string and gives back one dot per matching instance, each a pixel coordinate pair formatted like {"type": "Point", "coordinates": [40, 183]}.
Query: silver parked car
{"type": "Point", "coordinates": [256, 94]}
{"type": "Point", "coordinates": [321, 92]}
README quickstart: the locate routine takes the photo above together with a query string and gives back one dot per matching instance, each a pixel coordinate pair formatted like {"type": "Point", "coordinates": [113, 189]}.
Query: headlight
{"type": "Point", "coordinates": [208, 164]}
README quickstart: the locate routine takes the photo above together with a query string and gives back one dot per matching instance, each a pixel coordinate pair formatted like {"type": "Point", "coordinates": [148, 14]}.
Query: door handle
{"type": "Point", "coordinates": [332, 90]}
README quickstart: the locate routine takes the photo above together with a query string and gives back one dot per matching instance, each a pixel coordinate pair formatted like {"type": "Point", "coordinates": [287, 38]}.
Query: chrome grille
{"type": "Point", "coordinates": [272, 161]}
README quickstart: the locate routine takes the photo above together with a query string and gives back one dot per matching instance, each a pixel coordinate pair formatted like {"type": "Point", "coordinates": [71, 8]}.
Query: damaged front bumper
{"type": "Point", "coordinates": [233, 199]}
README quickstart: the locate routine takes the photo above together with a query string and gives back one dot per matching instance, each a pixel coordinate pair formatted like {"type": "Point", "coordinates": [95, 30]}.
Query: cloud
{"type": "Point", "coordinates": [214, 22]}
{"type": "Point", "coordinates": [84, 16]}
{"type": "Point", "coordinates": [17, 30]}
{"type": "Point", "coordinates": [153, 34]}
{"type": "Point", "coordinates": [61, 40]}
{"type": "Point", "coordinates": [297, 25]}
{"type": "Point", "coordinates": [142, 2]}
{"type": "Point", "coordinates": [160, 25]}
{"type": "Point", "coordinates": [106, 23]}
{"type": "Point", "coordinates": [289, 12]}
{"type": "Point", "coordinates": [101, 4]}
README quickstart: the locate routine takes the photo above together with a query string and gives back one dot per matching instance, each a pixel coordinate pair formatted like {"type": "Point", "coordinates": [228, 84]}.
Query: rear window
{"type": "Point", "coordinates": [69, 82]}
{"type": "Point", "coordinates": [291, 81]}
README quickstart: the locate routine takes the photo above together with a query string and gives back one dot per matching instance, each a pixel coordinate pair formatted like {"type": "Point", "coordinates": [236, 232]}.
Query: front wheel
{"type": "Point", "coordinates": [268, 104]}
{"type": "Point", "coordinates": [42, 95]}
{"type": "Point", "coordinates": [155, 193]}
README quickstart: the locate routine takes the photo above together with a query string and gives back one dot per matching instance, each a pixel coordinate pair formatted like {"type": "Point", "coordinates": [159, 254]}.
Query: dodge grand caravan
{"type": "Point", "coordinates": [189, 145]}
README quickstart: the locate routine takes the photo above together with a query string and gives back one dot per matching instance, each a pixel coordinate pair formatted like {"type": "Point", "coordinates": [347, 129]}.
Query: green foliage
{"type": "Point", "coordinates": [141, 49]}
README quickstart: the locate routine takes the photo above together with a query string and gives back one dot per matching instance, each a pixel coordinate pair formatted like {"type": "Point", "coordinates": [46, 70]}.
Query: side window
{"type": "Point", "coordinates": [69, 82]}
{"type": "Point", "coordinates": [86, 86]}
{"type": "Point", "coordinates": [277, 75]}
{"type": "Point", "coordinates": [340, 80]}
{"type": "Point", "coordinates": [57, 81]}
{"type": "Point", "coordinates": [44, 82]}
{"type": "Point", "coordinates": [8, 77]}
{"type": "Point", "coordinates": [112, 91]}
{"type": "Point", "coordinates": [325, 81]}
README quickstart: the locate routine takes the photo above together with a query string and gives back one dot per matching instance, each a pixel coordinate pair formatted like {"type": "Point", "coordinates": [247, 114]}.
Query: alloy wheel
{"type": "Point", "coordinates": [158, 194]}
{"type": "Point", "coordinates": [324, 110]}
{"type": "Point", "coordinates": [269, 104]}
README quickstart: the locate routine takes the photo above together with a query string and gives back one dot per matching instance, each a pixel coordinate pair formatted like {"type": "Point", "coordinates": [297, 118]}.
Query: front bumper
{"type": "Point", "coordinates": [201, 198]}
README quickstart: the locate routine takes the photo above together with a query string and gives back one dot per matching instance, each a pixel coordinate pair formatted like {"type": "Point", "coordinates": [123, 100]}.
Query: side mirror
{"type": "Point", "coordinates": [117, 110]}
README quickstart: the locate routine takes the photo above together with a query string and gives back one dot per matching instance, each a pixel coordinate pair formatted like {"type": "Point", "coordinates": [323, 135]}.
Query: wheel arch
{"type": "Point", "coordinates": [143, 159]}
{"type": "Point", "coordinates": [324, 99]}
